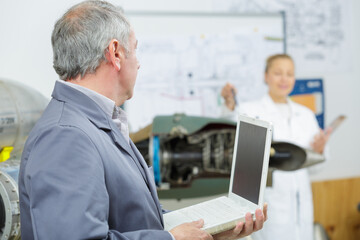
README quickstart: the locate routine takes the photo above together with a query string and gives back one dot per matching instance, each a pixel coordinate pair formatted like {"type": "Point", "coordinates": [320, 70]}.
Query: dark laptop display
{"type": "Point", "coordinates": [249, 161]}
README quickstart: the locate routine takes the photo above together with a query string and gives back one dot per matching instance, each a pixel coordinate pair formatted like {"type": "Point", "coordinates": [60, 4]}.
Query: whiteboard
{"type": "Point", "coordinates": [186, 58]}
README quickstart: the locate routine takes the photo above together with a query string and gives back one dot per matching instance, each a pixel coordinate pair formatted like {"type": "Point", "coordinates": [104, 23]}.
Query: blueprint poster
{"type": "Point", "coordinates": [185, 72]}
{"type": "Point", "coordinates": [318, 31]}
{"type": "Point", "coordinates": [310, 92]}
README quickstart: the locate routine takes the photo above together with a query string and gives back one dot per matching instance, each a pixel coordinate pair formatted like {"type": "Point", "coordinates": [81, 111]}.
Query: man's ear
{"type": "Point", "coordinates": [115, 54]}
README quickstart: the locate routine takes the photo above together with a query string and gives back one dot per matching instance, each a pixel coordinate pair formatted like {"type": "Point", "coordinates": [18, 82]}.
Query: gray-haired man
{"type": "Point", "coordinates": [81, 176]}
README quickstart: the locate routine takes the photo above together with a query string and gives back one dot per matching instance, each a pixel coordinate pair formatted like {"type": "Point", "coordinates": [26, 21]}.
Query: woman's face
{"type": "Point", "coordinates": [280, 79]}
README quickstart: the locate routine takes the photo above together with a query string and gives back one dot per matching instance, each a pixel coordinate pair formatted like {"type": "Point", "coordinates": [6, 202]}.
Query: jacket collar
{"type": "Point", "coordinates": [91, 109]}
{"type": "Point", "coordinates": [148, 176]}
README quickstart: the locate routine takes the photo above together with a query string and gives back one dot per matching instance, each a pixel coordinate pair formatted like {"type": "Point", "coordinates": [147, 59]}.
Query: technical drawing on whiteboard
{"type": "Point", "coordinates": [317, 37]}
{"type": "Point", "coordinates": [184, 72]}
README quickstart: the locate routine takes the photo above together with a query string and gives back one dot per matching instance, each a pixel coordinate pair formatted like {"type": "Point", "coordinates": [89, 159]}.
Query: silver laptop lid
{"type": "Point", "coordinates": [250, 161]}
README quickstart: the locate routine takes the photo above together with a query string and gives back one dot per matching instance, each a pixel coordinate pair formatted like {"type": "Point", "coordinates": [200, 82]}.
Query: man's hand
{"type": "Point", "coordinates": [191, 231]}
{"type": "Point", "coordinates": [247, 228]}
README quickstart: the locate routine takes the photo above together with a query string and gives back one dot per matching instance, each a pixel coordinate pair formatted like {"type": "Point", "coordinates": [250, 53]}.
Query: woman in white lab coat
{"type": "Point", "coordinates": [290, 198]}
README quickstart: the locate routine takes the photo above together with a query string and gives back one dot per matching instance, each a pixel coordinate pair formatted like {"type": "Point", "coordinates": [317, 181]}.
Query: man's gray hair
{"type": "Point", "coordinates": [81, 36]}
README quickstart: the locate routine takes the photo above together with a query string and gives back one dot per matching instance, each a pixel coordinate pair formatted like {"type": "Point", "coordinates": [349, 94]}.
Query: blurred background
{"type": "Point", "coordinates": [178, 42]}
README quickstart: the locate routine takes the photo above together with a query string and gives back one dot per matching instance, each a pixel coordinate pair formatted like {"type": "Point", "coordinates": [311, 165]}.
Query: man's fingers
{"type": "Point", "coordinates": [239, 227]}
{"type": "Point", "coordinates": [265, 209]}
{"type": "Point", "coordinates": [259, 220]}
{"type": "Point", "coordinates": [199, 223]}
{"type": "Point", "coordinates": [249, 224]}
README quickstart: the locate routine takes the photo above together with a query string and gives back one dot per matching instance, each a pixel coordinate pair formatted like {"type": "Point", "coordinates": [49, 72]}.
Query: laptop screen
{"type": "Point", "coordinates": [249, 161]}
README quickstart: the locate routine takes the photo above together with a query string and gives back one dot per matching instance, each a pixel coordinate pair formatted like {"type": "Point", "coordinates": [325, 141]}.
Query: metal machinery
{"type": "Point", "coordinates": [187, 153]}
{"type": "Point", "coordinates": [20, 108]}
{"type": "Point", "coordinates": [191, 156]}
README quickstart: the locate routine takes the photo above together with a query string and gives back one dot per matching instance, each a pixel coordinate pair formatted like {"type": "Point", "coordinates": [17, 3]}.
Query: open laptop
{"type": "Point", "coordinates": [247, 182]}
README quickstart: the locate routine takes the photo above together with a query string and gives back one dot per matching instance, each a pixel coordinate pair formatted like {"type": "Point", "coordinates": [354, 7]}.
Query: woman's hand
{"type": "Point", "coordinates": [320, 140]}
{"type": "Point", "coordinates": [227, 93]}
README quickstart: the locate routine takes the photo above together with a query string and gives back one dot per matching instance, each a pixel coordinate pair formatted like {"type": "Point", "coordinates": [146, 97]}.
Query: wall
{"type": "Point", "coordinates": [342, 96]}
{"type": "Point", "coordinates": [339, 215]}
{"type": "Point", "coordinates": [26, 56]}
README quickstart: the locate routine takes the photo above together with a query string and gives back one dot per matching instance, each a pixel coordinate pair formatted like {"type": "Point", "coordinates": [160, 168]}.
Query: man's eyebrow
{"type": "Point", "coordinates": [136, 43]}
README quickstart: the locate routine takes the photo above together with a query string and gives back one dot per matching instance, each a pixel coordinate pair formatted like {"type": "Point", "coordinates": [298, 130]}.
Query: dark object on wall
{"type": "Point", "coordinates": [319, 232]}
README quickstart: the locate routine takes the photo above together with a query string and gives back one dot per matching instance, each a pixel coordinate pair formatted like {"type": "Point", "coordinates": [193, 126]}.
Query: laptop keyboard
{"type": "Point", "coordinates": [214, 211]}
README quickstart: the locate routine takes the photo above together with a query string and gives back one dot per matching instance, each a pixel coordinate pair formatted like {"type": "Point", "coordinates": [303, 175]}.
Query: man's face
{"type": "Point", "coordinates": [130, 66]}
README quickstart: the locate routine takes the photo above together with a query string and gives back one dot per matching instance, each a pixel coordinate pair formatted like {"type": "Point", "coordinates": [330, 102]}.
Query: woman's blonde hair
{"type": "Point", "coordinates": [272, 58]}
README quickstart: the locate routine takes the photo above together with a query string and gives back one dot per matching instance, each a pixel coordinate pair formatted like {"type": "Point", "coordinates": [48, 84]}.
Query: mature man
{"type": "Point", "coordinates": [81, 176]}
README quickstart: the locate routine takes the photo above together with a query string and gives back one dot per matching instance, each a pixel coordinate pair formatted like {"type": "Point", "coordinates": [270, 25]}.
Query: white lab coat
{"type": "Point", "coordinates": [290, 211]}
